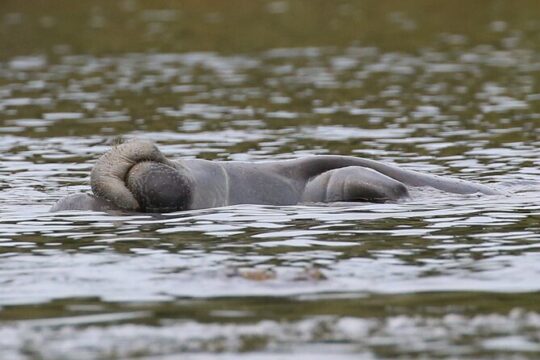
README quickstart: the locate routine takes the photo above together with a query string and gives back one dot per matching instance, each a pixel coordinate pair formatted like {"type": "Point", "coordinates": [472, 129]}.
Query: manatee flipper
{"type": "Point", "coordinates": [353, 183]}
{"type": "Point", "coordinates": [110, 171]}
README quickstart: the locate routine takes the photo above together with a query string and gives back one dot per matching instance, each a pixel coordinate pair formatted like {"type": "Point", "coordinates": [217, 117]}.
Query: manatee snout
{"type": "Point", "coordinates": [159, 187]}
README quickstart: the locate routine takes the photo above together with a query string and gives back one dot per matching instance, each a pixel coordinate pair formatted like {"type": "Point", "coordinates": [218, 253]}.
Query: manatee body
{"type": "Point", "coordinates": [136, 176]}
{"type": "Point", "coordinates": [83, 202]}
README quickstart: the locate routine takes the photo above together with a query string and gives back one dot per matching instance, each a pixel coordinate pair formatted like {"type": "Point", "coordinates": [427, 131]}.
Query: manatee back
{"type": "Point", "coordinates": [83, 202]}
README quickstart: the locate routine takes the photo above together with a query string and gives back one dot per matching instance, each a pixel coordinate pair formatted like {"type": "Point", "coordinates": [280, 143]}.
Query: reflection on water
{"type": "Point", "coordinates": [399, 334]}
{"type": "Point", "coordinates": [440, 275]}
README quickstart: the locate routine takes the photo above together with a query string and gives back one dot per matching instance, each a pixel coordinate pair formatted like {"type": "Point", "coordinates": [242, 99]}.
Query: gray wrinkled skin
{"type": "Point", "coordinates": [109, 173]}
{"type": "Point", "coordinates": [159, 187]}
{"type": "Point", "coordinates": [136, 176]}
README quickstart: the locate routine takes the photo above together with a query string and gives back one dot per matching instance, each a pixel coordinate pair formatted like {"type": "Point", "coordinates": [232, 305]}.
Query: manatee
{"type": "Point", "coordinates": [135, 176]}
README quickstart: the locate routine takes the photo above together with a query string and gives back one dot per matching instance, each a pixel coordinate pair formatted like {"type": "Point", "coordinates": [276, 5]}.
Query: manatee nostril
{"type": "Point", "coordinates": [159, 187]}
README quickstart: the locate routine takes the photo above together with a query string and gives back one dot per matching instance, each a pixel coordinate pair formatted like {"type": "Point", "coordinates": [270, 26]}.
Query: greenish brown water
{"type": "Point", "coordinates": [450, 88]}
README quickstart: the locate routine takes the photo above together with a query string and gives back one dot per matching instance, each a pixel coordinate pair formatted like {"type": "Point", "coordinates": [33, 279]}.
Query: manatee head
{"type": "Point", "coordinates": [110, 172]}
{"type": "Point", "coordinates": [158, 187]}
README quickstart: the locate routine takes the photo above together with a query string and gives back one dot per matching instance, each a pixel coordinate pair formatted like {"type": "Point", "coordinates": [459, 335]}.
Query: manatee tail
{"type": "Point", "coordinates": [321, 163]}
{"type": "Point", "coordinates": [448, 184]}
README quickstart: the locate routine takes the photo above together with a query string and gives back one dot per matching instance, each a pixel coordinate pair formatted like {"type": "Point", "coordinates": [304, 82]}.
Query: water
{"type": "Point", "coordinates": [441, 275]}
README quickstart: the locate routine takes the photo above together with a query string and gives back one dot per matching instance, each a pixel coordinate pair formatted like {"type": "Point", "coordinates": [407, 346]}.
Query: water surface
{"type": "Point", "coordinates": [441, 275]}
